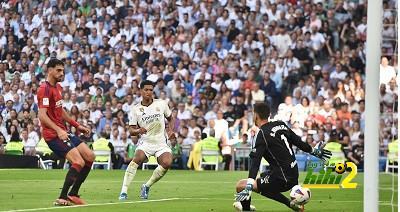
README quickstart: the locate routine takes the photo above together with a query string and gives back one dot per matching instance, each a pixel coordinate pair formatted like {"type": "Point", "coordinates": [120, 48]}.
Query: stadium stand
{"type": "Point", "coordinates": [210, 60]}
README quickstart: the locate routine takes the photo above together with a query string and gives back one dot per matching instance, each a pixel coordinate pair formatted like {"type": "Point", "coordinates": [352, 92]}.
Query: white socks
{"type": "Point", "coordinates": [158, 173]}
{"type": "Point", "coordinates": [129, 175]}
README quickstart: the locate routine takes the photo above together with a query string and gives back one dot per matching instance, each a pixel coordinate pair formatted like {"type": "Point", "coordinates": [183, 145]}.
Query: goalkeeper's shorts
{"type": "Point", "coordinates": [270, 182]}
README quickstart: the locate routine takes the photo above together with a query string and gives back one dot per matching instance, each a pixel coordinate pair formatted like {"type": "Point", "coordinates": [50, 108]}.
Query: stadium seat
{"type": "Point", "coordinates": [45, 164]}
{"type": "Point", "coordinates": [392, 162]}
{"type": "Point", "coordinates": [103, 153]}
{"type": "Point", "coordinates": [210, 153]}
{"type": "Point", "coordinates": [240, 154]}
{"type": "Point", "coordinates": [392, 157]}
{"type": "Point", "coordinates": [152, 162]}
{"type": "Point", "coordinates": [301, 161]}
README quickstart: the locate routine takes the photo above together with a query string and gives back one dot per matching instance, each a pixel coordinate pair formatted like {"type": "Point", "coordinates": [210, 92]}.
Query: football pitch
{"type": "Point", "coordinates": [36, 190]}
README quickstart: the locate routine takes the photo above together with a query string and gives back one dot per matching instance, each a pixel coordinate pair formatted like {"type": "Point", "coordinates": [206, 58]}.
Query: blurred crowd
{"type": "Point", "coordinates": [209, 59]}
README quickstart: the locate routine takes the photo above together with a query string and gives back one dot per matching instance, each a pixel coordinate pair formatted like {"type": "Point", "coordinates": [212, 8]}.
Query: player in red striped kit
{"type": "Point", "coordinates": [51, 115]}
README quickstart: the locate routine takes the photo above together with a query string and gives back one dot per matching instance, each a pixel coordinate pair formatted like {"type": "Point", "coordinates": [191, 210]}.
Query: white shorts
{"type": "Point", "coordinates": [154, 149]}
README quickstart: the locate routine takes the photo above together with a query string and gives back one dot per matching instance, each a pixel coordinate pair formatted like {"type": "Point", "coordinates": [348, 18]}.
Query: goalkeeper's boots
{"type": "Point", "coordinates": [76, 200]}
{"type": "Point", "coordinates": [63, 202]}
{"type": "Point", "coordinates": [123, 196]}
{"type": "Point", "coordinates": [238, 206]}
{"type": "Point", "coordinates": [296, 207]}
{"type": "Point", "coordinates": [145, 192]}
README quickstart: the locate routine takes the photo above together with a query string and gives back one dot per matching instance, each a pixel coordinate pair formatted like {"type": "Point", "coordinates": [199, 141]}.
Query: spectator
{"type": "Point", "coordinates": [176, 151]}
{"type": "Point", "coordinates": [29, 144]}
{"type": "Point", "coordinates": [357, 152]}
{"type": "Point", "coordinates": [269, 88]}
{"type": "Point", "coordinates": [344, 112]}
{"type": "Point", "coordinates": [14, 145]}
{"type": "Point", "coordinates": [106, 120]}
{"type": "Point", "coordinates": [183, 113]}
{"type": "Point", "coordinates": [103, 144]}
{"type": "Point", "coordinates": [386, 71]}
{"type": "Point", "coordinates": [282, 41]}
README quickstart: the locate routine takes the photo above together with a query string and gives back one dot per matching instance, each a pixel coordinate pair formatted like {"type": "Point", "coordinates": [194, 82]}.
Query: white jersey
{"type": "Point", "coordinates": [152, 119]}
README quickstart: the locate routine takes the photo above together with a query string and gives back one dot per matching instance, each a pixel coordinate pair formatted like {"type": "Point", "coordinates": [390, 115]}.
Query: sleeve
{"type": "Point", "coordinates": [296, 140]}
{"type": "Point", "coordinates": [111, 146]}
{"type": "Point", "coordinates": [257, 153]}
{"type": "Point", "coordinates": [133, 117]}
{"type": "Point", "coordinates": [296, 63]}
{"type": "Point", "coordinates": [322, 39]}
{"type": "Point", "coordinates": [167, 111]}
{"type": "Point", "coordinates": [43, 97]}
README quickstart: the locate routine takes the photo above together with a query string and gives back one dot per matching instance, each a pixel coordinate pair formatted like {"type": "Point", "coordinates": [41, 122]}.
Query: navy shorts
{"type": "Point", "coordinates": [61, 148]}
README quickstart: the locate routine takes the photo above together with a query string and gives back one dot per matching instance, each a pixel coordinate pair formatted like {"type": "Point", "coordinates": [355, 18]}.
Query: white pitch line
{"type": "Point", "coordinates": [386, 203]}
{"type": "Point", "coordinates": [99, 204]}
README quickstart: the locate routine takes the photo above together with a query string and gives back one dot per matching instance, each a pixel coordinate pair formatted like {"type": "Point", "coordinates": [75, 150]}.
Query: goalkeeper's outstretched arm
{"type": "Point", "coordinates": [317, 151]}
{"type": "Point", "coordinates": [296, 140]}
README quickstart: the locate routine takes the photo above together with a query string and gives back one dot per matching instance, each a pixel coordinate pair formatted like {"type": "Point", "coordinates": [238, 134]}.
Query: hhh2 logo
{"type": "Point", "coordinates": [326, 179]}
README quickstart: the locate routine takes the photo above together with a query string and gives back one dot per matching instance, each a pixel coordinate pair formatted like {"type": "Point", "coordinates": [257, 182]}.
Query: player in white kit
{"type": "Point", "coordinates": [148, 121]}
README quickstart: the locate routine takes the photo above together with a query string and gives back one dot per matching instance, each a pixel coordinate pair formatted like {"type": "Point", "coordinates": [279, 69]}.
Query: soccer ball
{"type": "Point", "coordinates": [340, 168]}
{"type": "Point", "coordinates": [300, 195]}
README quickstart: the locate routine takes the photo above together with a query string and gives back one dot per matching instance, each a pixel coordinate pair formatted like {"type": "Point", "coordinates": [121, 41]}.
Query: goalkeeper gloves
{"type": "Point", "coordinates": [323, 154]}
{"type": "Point", "coordinates": [246, 193]}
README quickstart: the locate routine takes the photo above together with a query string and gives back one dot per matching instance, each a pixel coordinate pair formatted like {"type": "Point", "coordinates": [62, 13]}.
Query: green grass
{"type": "Point", "coordinates": [177, 191]}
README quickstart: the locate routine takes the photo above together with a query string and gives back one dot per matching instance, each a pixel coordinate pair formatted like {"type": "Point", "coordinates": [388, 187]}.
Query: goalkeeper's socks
{"type": "Point", "coordinates": [129, 175]}
{"type": "Point", "coordinates": [81, 178]}
{"type": "Point", "coordinates": [70, 179]}
{"type": "Point", "coordinates": [277, 197]}
{"type": "Point", "coordinates": [158, 173]}
{"type": "Point", "coordinates": [246, 204]}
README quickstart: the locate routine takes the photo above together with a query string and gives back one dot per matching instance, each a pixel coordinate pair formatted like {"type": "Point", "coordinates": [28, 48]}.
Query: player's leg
{"type": "Point", "coordinates": [77, 162]}
{"type": "Point", "coordinates": [164, 163]}
{"type": "Point", "coordinates": [279, 197]}
{"type": "Point", "coordinates": [67, 149]}
{"type": "Point", "coordinates": [130, 171]}
{"type": "Point", "coordinates": [164, 159]}
{"type": "Point", "coordinates": [270, 186]}
{"type": "Point", "coordinates": [88, 156]}
{"type": "Point", "coordinates": [245, 204]}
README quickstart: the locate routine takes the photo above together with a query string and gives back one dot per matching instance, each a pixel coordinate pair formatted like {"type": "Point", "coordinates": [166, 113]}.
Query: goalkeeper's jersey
{"type": "Point", "coordinates": [274, 142]}
{"type": "Point", "coordinates": [152, 119]}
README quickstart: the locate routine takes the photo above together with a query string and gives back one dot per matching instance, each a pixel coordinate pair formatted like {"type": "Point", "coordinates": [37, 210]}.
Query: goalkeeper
{"type": "Point", "coordinates": [274, 142]}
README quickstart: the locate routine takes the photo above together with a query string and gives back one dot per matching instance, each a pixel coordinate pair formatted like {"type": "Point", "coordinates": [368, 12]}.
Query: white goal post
{"type": "Point", "coordinates": [371, 153]}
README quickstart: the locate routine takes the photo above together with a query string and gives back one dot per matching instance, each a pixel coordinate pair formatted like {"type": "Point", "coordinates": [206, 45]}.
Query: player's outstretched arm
{"type": "Point", "coordinates": [317, 151]}
{"type": "Point", "coordinates": [80, 128]}
{"type": "Point", "coordinates": [49, 123]}
{"type": "Point", "coordinates": [296, 140]}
